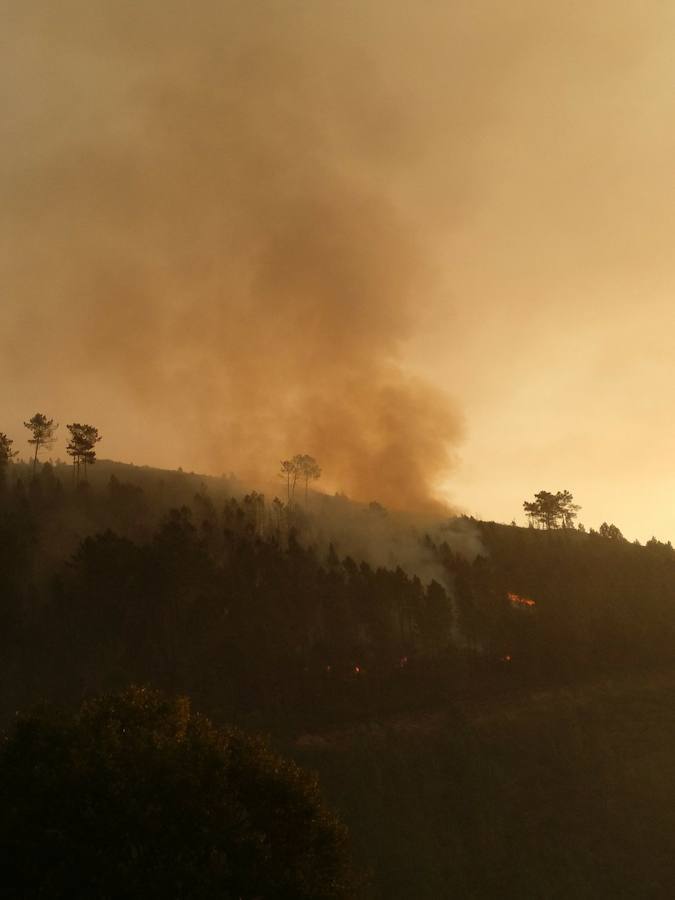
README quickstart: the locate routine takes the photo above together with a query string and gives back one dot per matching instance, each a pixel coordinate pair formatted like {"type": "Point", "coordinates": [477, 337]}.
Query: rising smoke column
{"type": "Point", "coordinates": [205, 249]}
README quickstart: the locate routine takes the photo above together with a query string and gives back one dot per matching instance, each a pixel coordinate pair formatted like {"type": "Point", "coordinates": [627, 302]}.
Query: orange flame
{"type": "Point", "coordinates": [517, 600]}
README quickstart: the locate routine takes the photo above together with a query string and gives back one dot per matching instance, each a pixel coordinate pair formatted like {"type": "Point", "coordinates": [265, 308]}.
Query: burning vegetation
{"type": "Point", "coordinates": [518, 602]}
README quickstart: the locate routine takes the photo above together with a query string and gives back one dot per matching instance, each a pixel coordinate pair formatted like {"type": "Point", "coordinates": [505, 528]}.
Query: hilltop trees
{"type": "Point", "coordinates": [309, 469]}
{"type": "Point", "coordinates": [43, 431]}
{"type": "Point", "coordinates": [289, 471]}
{"type": "Point", "coordinates": [611, 532]}
{"type": "Point", "coordinates": [558, 510]}
{"type": "Point", "coordinates": [549, 510]}
{"type": "Point", "coordinates": [568, 509]}
{"type": "Point", "coordinates": [83, 439]}
{"type": "Point", "coordinates": [303, 467]}
{"type": "Point", "coordinates": [81, 446]}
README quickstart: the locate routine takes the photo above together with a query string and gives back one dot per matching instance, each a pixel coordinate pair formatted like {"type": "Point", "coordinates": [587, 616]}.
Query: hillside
{"type": "Point", "coordinates": [491, 717]}
{"type": "Point", "coordinates": [265, 611]}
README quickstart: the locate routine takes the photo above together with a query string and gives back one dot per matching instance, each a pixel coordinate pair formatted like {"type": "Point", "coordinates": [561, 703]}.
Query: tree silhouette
{"type": "Point", "coordinates": [43, 432]}
{"type": "Point", "coordinates": [6, 455]}
{"type": "Point", "coordinates": [568, 508]}
{"type": "Point", "coordinates": [83, 439]}
{"type": "Point", "coordinates": [136, 796]}
{"type": "Point", "coordinates": [308, 469]}
{"type": "Point", "coordinates": [300, 466]}
{"type": "Point", "coordinates": [552, 510]}
{"type": "Point", "coordinates": [289, 471]}
{"type": "Point", "coordinates": [611, 532]}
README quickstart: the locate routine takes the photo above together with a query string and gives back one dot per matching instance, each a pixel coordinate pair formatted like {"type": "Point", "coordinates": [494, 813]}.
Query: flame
{"type": "Point", "coordinates": [517, 600]}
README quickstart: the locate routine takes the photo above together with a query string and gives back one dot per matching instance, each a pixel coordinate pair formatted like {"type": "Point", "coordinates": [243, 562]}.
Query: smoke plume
{"type": "Point", "coordinates": [208, 253]}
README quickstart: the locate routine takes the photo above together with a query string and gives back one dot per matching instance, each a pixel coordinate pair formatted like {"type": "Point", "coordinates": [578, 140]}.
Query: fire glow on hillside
{"type": "Point", "coordinates": [520, 602]}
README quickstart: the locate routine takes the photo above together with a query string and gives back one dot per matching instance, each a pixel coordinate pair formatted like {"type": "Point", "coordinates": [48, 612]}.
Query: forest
{"type": "Point", "coordinates": [394, 682]}
{"type": "Point", "coordinates": [189, 584]}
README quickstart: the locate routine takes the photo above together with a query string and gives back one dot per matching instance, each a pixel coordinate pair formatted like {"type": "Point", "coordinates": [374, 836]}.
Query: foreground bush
{"type": "Point", "coordinates": [135, 796]}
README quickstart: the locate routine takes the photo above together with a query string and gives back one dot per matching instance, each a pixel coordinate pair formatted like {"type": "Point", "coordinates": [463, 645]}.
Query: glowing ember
{"type": "Point", "coordinates": [357, 670]}
{"type": "Point", "coordinates": [506, 658]}
{"type": "Point", "coordinates": [517, 600]}
{"type": "Point", "coordinates": [403, 661]}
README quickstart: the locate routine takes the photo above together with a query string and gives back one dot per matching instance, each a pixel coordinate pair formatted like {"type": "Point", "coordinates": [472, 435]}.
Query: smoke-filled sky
{"type": "Point", "coordinates": [430, 244]}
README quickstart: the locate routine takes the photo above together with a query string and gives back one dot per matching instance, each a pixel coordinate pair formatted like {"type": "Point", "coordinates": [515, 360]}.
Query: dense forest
{"type": "Point", "coordinates": [168, 578]}
{"type": "Point", "coordinates": [381, 677]}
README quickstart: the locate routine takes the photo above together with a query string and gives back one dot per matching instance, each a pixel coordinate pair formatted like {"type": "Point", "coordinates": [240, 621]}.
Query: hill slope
{"type": "Point", "coordinates": [493, 717]}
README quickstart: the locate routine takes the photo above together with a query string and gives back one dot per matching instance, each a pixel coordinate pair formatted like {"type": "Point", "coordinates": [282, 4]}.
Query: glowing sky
{"type": "Point", "coordinates": [565, 274]}
{"type": "Point", "coordinates": [495, 180]}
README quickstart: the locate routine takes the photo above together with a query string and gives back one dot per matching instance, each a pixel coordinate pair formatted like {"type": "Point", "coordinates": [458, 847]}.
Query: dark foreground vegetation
{"type": "Point", "coordinates": [135, 796]}
{"type": "Point", "coordinates": [450, 719]}
{"type": "Point", "coordinates": [562, 795]}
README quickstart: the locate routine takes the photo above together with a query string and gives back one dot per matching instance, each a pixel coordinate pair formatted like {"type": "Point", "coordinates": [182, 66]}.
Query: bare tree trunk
{"type": "Point", "coordinates": [37, 445]}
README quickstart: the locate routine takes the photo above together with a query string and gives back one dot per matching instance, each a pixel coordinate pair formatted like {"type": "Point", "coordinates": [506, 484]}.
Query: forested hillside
{"type": "Point", "coordinates": [445, 701]}
{"type": "Point", "coordinates": [563, 604]}
{"type": "Point", "coordinates": [187, 584]}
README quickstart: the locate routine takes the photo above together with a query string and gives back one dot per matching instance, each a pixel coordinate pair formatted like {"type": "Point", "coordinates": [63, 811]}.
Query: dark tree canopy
{"type": "Point", "coordinates": [135, 796]}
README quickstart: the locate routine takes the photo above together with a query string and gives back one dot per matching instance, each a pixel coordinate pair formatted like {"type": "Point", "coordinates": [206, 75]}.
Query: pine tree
{"type": "Point", "coordinates": [83, 439]}
{"type": "Point", "coordinates": [43, 432]}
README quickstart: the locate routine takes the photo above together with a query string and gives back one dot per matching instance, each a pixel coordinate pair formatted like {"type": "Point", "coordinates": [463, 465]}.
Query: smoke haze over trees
{"type": "Point", "coordinates": [263, 608]}
{"type": "Point", "coordinates": [273, 224]}
{"type": "Point", "coordinates": [217, 206]}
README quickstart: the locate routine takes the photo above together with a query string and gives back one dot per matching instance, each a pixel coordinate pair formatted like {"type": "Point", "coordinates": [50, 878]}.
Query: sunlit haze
{"type": "Point", "coordinates": [431, 245]}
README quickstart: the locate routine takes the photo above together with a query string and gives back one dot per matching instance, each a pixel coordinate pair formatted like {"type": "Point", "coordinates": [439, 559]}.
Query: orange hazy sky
{"type": "Point", "coordinates": [373, 230]}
